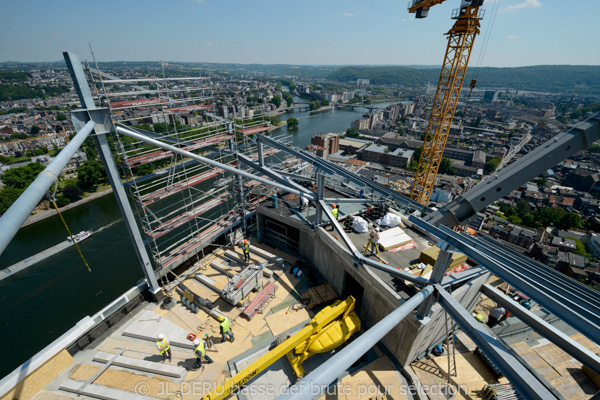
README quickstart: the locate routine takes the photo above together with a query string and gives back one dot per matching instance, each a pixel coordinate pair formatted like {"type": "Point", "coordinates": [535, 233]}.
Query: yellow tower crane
{"type": "Point", "coordinates": [460, 43]}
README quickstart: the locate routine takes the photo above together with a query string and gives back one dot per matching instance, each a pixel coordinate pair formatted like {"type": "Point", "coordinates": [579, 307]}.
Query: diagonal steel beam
{"type": "Point", "coordinates": [579, 352]}
{"type": "Point", "coordinates": [554, 299]}
{"type": "Point", "coordinates": [519, 376]}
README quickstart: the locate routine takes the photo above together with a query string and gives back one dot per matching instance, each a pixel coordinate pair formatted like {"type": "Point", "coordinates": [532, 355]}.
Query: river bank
{"type": "Point", "coordinates": [46, 214]}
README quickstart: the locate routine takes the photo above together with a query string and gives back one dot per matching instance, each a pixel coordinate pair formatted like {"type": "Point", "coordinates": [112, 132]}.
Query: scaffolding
{"type": "Point", "coordinates": [183, 205]}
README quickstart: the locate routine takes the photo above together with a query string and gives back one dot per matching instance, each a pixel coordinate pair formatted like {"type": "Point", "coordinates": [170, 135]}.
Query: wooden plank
{"type": "Point", "coordinates": [283, 320]}
{"type": "Point", "coordinates": [35, 381]}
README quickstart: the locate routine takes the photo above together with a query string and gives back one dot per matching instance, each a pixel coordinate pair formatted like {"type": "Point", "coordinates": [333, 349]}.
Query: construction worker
{"type": "Point", "coordinates": [246, 248]}
{"type": "Point", "coordinates": [163, 346]}
{"type": "Point", "coordinates": [495, 314]}
{"type": "Point", "coordinates": [334, 211]}
{"type": "Point", "coordinates": [224, 325]}
{"type": "Point", "coordinates": [200, 352]}
{"type": "Point", "coordinates": [303, 203]}
{"type": "Point", "coordinates": [374, 239]}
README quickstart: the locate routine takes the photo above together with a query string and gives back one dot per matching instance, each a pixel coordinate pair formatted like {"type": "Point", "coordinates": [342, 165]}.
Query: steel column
{"type": "Point", "coordinates": [439, 270]}
{"type": "Point", "coordinates": [261, 157]}
{"type": "Point", "coordinates": [519, 376]}
{"type": "Point", "coordinates": [87, 102]}
{"type": "Point", "coordinates": [18, 212]}
{"type": "Point", "coordinates": [570, 346]}
{"type": "Point", "coordinates": [316, 383]}
{"type": "Point", "coordinates": [320, 181]}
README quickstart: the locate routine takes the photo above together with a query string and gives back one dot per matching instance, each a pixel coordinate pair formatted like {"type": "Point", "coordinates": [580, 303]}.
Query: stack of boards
{"type": "Point", "coordinates": [393, 238]}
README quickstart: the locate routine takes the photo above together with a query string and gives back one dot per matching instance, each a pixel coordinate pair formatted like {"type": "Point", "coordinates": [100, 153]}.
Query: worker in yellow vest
{"type": "Point", "coordinates": [200, 352]}
{"type": "Point", "coordinates": [163, 346]}
{"type": "Point", "coordinates": [246, 248]}
{"type": "Point", "coordinates": [334, 211]}
{"type": "Point", "coordinates": [224, 325]}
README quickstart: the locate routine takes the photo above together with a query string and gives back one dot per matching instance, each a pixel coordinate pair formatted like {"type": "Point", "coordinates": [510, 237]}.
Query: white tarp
{"type": "Point", "coordinates": [391, 220]}
{"type": "Point", "coordinates": [360, 225]}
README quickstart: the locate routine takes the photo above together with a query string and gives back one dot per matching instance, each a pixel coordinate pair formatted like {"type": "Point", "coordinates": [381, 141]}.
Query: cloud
{"type": "Point", "coordinates": [513, 37]}
{"type": "Point", "coordinates": [208, 44]}
{"type": "Point", "coordinates": [524, 4]}
{"type": "Point", "coordinates": [246, 51]}
{"type": "Point", "coordinates": [347, 15]}
{"type": "Point", "coordinates": [409, 19]}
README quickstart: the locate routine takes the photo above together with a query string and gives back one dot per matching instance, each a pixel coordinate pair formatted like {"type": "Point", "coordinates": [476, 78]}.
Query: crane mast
{"type": "Point", "coordinates": [458, 51]}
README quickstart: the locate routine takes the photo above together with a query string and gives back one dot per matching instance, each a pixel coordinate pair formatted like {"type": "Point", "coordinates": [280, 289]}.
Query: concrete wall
{"type": "Point", "coordinates": [329, 255]}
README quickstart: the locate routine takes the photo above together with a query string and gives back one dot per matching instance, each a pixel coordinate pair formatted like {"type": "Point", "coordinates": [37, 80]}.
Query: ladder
{"type": "Point", "coordinates": [450, 347]}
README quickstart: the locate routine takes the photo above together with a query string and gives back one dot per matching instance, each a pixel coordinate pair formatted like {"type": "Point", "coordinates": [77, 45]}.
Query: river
{"type": "Point", "coordinates": [41, 303]}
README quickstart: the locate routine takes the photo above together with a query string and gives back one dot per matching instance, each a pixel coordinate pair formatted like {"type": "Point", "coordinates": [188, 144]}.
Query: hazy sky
{"type": "Point", "coordinates": [523, 32]}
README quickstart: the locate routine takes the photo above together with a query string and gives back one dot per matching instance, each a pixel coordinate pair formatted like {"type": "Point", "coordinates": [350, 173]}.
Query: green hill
{"type": "Point", "coordinates": [579, 79]}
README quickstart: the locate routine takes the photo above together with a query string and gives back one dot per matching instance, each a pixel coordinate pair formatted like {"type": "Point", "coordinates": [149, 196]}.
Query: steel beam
{"type": "Point", "coordinates": [316, 383]}
{"type": "Point", "coordinates": [437, 274]}
{"type": "Point", "coordinates": [577, 138]}
{"type": "Point", "coordinates": [397, 272]}
{"type": "Point", "coordinates": [570, 346]}
{"type": "Point", "coordinates": [331, 169]}
{"type": "Point", "coordinates": [552, 297]}
{"type": "Point", "coordinates": [464, 276]}
{"type": "Point", "coordinates": [355, 253]}
{"type": "Point", "coordinates": [575, 293]}
{"type": "Point", "coordinates": [276, 176]}
{"type": "Point", "coordinates": [87, 102]}
{"type": "Point", "coordinates": [519, 376]}
{"type": "Point", "coordinates": [123, 130]}
{"type": "Point", "coordinates": [18, 212]}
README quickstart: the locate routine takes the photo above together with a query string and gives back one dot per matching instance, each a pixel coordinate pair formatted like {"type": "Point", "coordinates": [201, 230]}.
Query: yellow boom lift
{"type": "Point", "coordinates": [325, 332]}
{"type": "Point", "coordinates": [460, 43]}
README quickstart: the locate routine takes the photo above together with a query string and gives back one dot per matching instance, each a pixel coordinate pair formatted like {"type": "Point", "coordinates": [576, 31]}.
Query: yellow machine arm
{"type": "Point", "coordinates": [323, 333]}
{"type": "Point", "coordinates": [460, 43]}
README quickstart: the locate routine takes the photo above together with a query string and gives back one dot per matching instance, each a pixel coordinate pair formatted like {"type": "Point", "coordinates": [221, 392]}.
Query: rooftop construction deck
{"type": "Point", "coordinates": [138, 368]}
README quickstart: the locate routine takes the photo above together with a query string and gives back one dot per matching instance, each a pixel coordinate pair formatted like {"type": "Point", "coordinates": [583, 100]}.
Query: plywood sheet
{"type": "Point", "coordinates": [39, 378]}
{"type": "Point", "coordinates": [201, 290]}
{"type": "Point", "coordinates": [375, 379]}
{"type": "Point", "coordinates": [47, 395]}
{"type": "Point", "coordinates": [284, 320]}
{"type": "Point", "coordinates": [552, 354]}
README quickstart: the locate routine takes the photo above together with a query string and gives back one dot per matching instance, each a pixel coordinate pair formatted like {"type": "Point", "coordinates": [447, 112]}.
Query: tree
{"type": "Point", "coordinates": [278, 87]}
{"type": "Point", "coordinates": [570, 221]}
{"type": "Point", "coordinates": [324, 102]}
{"type": "Point", "coordinates": [491, 165]}
{"type": "Point", "coordinates": [446, 167]}
{"type": "Point", "coordinates": [276, 100]}
{"type": "Point", "coordinates": [4, 160]}
{"type": "Point", "coordinates": [292, 123]}
{"type": "Point", "coordinates": [275, 121]}
{"type": "Point", "coordinates": [353, 133]}
{"type": "Point", "coordinates": [35, 130]}
{"type": "Point", "coordinates": [315, 105]}
{"type": "Point", "coordinates": [61, 117]}
{"type": "Point", "coordinates": [72, 192]}
{"type": "Point", "coordinates": [89, 175]}
{"type": "Point", "coordinates": [541, 182]}
{"type": "Point", "coordinates": [550, 215]}
{"type": "Point", "coordinates": [144, 169]}
{"type": "Point", "coordinates": [523, 207]}
{"type": "Point", "coordinates": [292, 86]}
{"type": "Point", "coordinates": [417, 154]}
{"type": "Point", "coordinates": [288, 99]}
{"type": "Point", "coordinates": [476, 122]}
{"type": "Point", "coordinates": [21, 177]}
{"type": "Point", "coordinates": [8, 195]}
{"type": "Point", "coordinates": [400, 130]}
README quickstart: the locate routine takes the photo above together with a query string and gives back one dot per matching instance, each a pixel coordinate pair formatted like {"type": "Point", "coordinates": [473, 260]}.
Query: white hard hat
{"type": "Point", "coordinates": [160, 336]}
{"type": "Point", "coordinates": [196, 342]}
{"type": "Point", "coordinates": [377, 229]}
